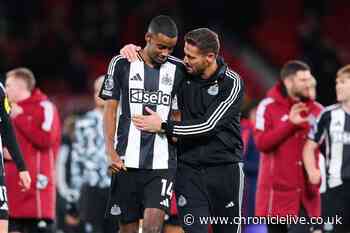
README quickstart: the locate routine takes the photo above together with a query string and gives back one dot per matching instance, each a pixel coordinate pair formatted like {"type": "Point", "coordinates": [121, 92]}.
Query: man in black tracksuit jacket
{"type": "Point", "coordinates": [209, 180]}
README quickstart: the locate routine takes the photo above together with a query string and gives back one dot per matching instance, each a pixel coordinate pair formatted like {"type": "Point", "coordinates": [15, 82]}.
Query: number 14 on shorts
{"type": "Point", "coordinates": [167, 191]}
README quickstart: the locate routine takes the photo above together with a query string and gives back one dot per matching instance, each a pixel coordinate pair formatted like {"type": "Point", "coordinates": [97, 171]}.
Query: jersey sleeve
{"type": "Point", "coordinates": [111, 83]}
{"type": "Point", "coordinates": [319, 127]}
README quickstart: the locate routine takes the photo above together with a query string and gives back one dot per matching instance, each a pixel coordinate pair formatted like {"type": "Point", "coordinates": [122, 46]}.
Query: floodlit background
{"type": "Point", "coordinates": [69, 43]}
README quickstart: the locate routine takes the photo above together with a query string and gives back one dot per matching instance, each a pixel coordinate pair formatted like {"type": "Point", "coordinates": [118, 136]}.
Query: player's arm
{"type": "Point", "coordinates": [110, 92]}
{"type": "Point", "coordinates": [10, 142]}
{"type": "Point", "coordinates": [109, 129]}
{"type": "Point", "coordinates": [316, 137]}
{"type": "Point", "coordinates": [220, 113]}
{"type": "Point", "coordinates": [310, 163]}
{"type": "Point", "coordinates": [9, 138]}
{"type": "Point", "coordinates": [175, 116]}
{"type": "Point", "coordinates": [109, 124]}
{"type": "Point", "coordinates": [175, 112]}
{"type": "Point", "coordinates": [268, 134]}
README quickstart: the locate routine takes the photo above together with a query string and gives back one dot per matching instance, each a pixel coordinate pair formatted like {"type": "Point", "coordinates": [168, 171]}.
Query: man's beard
{"type": "Point", "coordinates": [302, 97]}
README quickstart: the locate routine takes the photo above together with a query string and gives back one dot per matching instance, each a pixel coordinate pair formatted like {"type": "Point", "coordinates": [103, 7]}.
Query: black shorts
{"type": "Point", "coordinates": [4, 209]}
{"type": "Point", "coordinates": [92, 204]}
{"type": "Point", "coordinates": [336, 202]}
{"type": "Point", "coordinates": [134, 190]}
{"type": "Point", "coordinates": [212, 191]}
{"type": "Point", "coordinates": [31, 225]}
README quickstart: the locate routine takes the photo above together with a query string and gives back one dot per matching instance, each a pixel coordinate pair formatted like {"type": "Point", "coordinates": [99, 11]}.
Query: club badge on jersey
{"type": "Point", "coordinates": [166, 80]}
{"type": "Point", "coordinates": [108, 85]}
{"type": "Point", "coordinates": [213, 90]}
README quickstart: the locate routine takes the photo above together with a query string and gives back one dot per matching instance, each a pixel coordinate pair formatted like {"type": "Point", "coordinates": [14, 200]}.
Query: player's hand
{"type": "Point", "coordinates": [116, 164]}
{"type": "Point", "coordinates": [295, 115]}
{"type": "Point", "coordinates": [71, 220]}
{"type": "Point", "coordinates": [24, 180]}
{"type": "Point", "coordinates": [7, 155]}
{"type": "Point", "coordinates": [314, 176]}
{"type": "Point", "coordinates": [15, 110]}
{"type": "Point", "coordinates": [130, 52]}
{"type": "Point", "coordinates": [151, 123]}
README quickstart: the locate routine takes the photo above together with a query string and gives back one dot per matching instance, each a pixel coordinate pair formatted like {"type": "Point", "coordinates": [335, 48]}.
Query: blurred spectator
{"type": "Point", "coordinates": [250, 156]}
{"type": "Point", "coordinates": [77, 70]}
{"type": "Point", "coordinates": [68, 191]}
{"type": "Point", "coordinates": [251, 164]}
{"type": "Point", "coordinates": [281, 129]}
{"type": "Point", "coordinates": [320, 54]}
{"type": "Point", "coordinates": [91, 157]}
{"type": "Point", "coordinates": [37, 128]}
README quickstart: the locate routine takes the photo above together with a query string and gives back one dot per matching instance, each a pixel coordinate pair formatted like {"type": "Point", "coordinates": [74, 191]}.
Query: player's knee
{"type": "Point", "coordinates": [151, 229]}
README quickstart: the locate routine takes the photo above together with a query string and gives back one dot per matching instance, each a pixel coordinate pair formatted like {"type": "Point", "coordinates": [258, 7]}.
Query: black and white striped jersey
{"type": "Point", "coordinates": [136, 85]}
{"type": "Point", "coordinates": [333, 128]}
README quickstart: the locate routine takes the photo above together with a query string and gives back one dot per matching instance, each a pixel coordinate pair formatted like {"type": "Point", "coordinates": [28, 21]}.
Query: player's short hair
{"type": "Point", "coordinates": [345, 70]}
{"type": "Point", "coordinates": [292, 67]}
{"type": "Point", "coordinates": [163, 24]}
{"type": "Point", "coordinates": [206, 40]}
{"type": "Point", "coordinates": [24, 74]}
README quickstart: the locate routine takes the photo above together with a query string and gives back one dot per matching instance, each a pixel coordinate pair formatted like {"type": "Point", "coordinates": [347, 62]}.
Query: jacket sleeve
{"type": "Point", "coordinates": [111, 88]}
{"type": "Point", "coordinates": [268, 137]}
{"type": "Point", "coordinates": [220, 113]}
{"type": "Point", "coordinates": [40, 128]}
{"type": "Point", "coordinates": [9, 138]}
